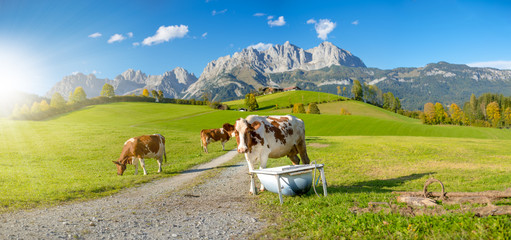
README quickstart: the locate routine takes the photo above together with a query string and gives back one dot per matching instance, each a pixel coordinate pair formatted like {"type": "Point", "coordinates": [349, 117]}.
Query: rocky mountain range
{"type": "Point", "coordinates": [172, 83]}
{"type": "Point", "coordinates": [321, 68]}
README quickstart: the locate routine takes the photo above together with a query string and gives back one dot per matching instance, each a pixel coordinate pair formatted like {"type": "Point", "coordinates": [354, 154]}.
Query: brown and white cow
{"type": "Point", "coordinates": [217, 134]}
{"type": "Point", "coordinates": [260, 138]}
{"type": "Point", "coordinates": [138, 148]}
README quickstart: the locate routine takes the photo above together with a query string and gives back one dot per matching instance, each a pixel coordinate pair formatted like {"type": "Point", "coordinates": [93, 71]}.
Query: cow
{"type": "Point", "coordinates": [216, 134]}
{"type": "Point", "coordinates": [260, 138]}
{"type": "Point", "coordinates": [138, 148]}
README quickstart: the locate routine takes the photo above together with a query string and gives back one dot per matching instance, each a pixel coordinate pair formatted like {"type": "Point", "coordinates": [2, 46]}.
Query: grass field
{"type": "Point", "coordinates": [286, 99]}
{"type": "Point", "coordinates": [367, 155]}
{"type": "Point", "coordinates": [367, 169]}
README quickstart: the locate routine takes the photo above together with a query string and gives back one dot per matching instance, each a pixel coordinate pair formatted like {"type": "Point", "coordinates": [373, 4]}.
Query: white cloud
{"type": "Point", "coordinates": [492, 64]}
{"type": "Point", "coordinates": [311, 21]}
{"type": "Point", "coordinates": [323, 27]}
{"type": "Point", "coordinates": [261, 46]}
{"type": "Point", "coordinates": [269, 17]}
{"type": "Point", "coordinates": [277, 23]}
{"type": "Point", "coordinates": [355, 22]}
{"type": "Point", "coordinates": [116, 38]}
{"type": "Point", "coordinates": [130, 34]}
{"type": "Point", "coordinates": [204, 34]}
{"type": "Point", "coordinates": [75, 73]}
{"type": "Point", "coordinates": [95, 35]}
{"type": "Point", "coordinates": [215, 12]}
{"type": "Point", "coordinates": [259, 14]}
{"type": "Point", "coordinates": [136, 44]}
{"type": "Point", "coordinates": [165, 34]}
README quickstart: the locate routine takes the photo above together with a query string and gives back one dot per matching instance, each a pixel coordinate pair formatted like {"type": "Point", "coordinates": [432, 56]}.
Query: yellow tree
{"type": "Point", "coordinates": [145, 93]}
{"type": "Point", "coordinates": [429, 113]}
{"type": "Point", "coordinates": [440, 113]}
{"type": "Point", "coordinates": [36, 107]}
{"type": "Point", "coordinates": [57, 101]}
{"type": "Point", "coordinates": [44, 106]}
{"type": "Point", "coordinates": [457, 115]}
{"type": "Point", "coordinates": [493, 113]}
{"type": "Point", "coordinates": [298, 108]}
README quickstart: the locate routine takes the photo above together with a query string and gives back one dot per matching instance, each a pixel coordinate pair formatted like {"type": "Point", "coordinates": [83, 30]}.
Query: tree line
{"type": "Point", "coordinates": [487, 110]}
{"type": "Point", "coordinates": [78, 99]}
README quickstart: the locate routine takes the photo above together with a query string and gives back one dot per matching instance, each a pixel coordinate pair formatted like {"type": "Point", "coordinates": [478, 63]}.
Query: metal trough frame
{"type": "Point", "coordinates": [290, 171]}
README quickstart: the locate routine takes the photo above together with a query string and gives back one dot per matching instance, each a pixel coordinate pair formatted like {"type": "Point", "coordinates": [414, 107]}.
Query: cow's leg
{"type": "Point", "coordinates": [142, 164]}
{"type": "Point", "coordinates": [135, 163]}
{"type": "Point", "coordinates": [160, 161]}
{"type": "Point", "coordinates": [223, 147]}
{"type": "Point", "coordinates": [252, 180]}
{"type": "Point", "coordinates": [206, 145]}
{"type": "Point", "coordinates": [302, 149]}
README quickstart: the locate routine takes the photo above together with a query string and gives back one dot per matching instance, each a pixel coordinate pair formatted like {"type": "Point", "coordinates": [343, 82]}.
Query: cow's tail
{"type": "Point", "coordinates": [164, 151]}
{"type": "Point", "coordinates": [165, 155]}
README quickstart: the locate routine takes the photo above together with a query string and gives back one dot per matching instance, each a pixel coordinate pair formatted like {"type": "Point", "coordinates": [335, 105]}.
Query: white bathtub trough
{"type": "Point", "coordinates": [289, 180]}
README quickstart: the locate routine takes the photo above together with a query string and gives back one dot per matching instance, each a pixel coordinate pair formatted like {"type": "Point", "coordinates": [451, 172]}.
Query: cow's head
{"type": "Point", "coordinates": [120, 167]}
{"type": "Point", "coordinates": [229, 128]}
{"type": "Point", "coordinates": [244, 132]}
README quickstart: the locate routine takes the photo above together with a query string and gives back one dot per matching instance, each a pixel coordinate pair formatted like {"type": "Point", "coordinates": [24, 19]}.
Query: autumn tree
{"type": "Point", "coordinates": [493, 113]}
{"type": "Point", "coordinates": [339, 90]}
{"type": "Point", "coordinates": [57, 101]}
{"type": "Point", "coordinates": [313, 109]}
{"type": "Point", "coordinates": [36, 107]}
{"type": "Point", "coordinates": [357, 90]}
{"type": "Point", "coordinates": [44, 106]}
{"type": "Point", "coordinates": [160, 95]}
{"type": "Point", "coordinates": [251, 102]}
{"type": "Point", "coordinates": [429, 113]}
{"type": "Point", "coordinates": [78, 95]}
{"type": "Point", "coordinates": [145, 92]}
{"type": "Point", "coordinates": [457, 115]}
{"type": "Point", "coordinates": [344, 112]}
{"type": "Point", "coordinates": [440, 113]}
{"type": "Point", "coordinates": [107, 90]}
{"type": "Point", "coordinates": [298, 108]}
{"type": "Point", "coordinates": [344, 90]}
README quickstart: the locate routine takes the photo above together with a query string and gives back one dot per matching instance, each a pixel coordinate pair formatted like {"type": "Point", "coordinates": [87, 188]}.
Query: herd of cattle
{"type": "Point", "coordinates": [258, 137]}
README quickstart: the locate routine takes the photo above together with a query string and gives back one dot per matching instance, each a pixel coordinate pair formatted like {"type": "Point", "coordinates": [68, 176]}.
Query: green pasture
{"type": "Point", "coordinates": [286, 99]}
{"type": "Point", "coordinates": [363, 169]}
{"type": "Point", "coordinates": [368, 155]}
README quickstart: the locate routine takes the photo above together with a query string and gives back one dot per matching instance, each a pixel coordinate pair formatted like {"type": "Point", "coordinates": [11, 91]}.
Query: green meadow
{"type": "Point", "coordinates": [367, 155]}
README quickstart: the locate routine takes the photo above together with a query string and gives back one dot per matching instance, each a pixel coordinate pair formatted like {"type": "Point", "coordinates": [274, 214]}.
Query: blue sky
{"type": "Point", "coordinates": [43, 41]}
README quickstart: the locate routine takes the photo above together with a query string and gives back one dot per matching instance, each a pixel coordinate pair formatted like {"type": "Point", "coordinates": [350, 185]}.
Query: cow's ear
{"type": "Point", "coordinates": [255, 125]}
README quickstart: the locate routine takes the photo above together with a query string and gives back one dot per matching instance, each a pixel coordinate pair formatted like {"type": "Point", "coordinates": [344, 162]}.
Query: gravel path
{"type": "Point", "coordinates": [220, 208]}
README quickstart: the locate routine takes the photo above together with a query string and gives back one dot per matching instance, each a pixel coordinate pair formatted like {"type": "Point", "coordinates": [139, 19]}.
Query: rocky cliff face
{"type": "Point", "coordinates": [172, 83]}
{"type": "Point", "coordinates": [248, 69]}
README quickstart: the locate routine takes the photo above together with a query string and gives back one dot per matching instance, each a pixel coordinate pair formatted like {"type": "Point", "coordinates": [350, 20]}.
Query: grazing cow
{"type": "Point", "coordinates": [145, 146]}
{"type": "Point", "coordinates": [217, 134]}
{"type": "Point", "coordinates": [260, 138]}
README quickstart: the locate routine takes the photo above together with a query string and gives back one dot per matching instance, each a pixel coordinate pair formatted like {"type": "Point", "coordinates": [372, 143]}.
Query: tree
{"type": "Point", "coordinates": [396, 104]}
{"type": "Point", "coordinates": [339, 91]}
{"type": "Point", "coordinates": [57, 101]}
{"type": "Point", "coordinates": [344, 112]}
{"type": "Point", "coordinates": [44, 106]}
{"type": "Point", "coordinates": [344, 91]}
{"type": "Point", "coordinates": [78, 95]}
{"type": "Point", "coordinates": [251, 102]}
{"type": "Point", "coordinates": [160, 95]}
{"type": "Point", "coordinates": [507, 116]}
{"type": "Point", "coordinates": [298, 108]}
{"type": "Point", "coordinates": [493, 113]}
{"type": "Point", "coordinates": [457, 115]}
{"type": "Point", "coordinates": [429, 113]}
{"type": "Point", "coordinates": [36, 107]}
{"type": "Point", "coordinates": [371, 94]}
{"type": "Point", "coordinates": [145, 93]}
{"type": "Point", "coordinates": [313, 109]}
{"type": "Point", "coordinates": [440, 113]}
{"type": "Point", "coordinates": [107, 90]}
{"type": "Point", "coordinates": [357, 91]}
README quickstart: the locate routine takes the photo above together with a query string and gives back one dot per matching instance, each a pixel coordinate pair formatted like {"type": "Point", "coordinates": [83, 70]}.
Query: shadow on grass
{"type": "Point", "coordinates": [377, 186]}
{"type": "Point", "coordinates": [266, 108]}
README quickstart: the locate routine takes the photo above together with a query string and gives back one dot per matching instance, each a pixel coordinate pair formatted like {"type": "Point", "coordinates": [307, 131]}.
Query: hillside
{"type": "Point", "coordinates": [286, 99]}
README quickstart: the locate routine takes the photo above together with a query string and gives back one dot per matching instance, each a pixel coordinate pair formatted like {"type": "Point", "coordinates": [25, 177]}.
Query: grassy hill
{"type": "Point", "coordinates": [286, 99]}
